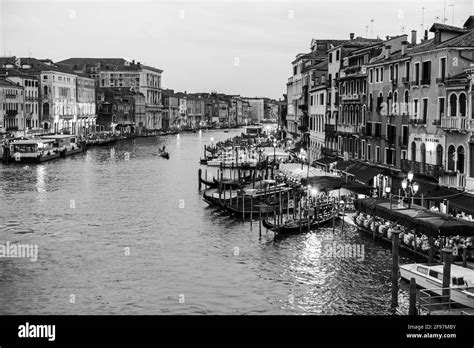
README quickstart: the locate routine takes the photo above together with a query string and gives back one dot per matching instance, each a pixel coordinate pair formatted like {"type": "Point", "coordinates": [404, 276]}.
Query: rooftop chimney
{"type": "Point", "coordinates": [404, 47]}
{"type": "Point", "coordinates": [387, 51]}
{"type": "Point", "coordinates": [426, 35]}
{"type": "Point", "coordinates": [351, 35]}
{"type": "Point", "coordinates": [413, 37]}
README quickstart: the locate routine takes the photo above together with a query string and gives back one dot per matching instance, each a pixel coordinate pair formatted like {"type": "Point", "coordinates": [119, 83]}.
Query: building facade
{"type": "Point", "coordinates": [12, 116]}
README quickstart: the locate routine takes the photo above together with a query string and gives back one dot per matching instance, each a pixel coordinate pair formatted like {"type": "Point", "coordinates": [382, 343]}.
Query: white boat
{"type": "Point", "coordinates": [33, 150]}
{"type": "Point", "coordinates": [67, 145]}
{"type": "Point", "coordinates": [431, 278]}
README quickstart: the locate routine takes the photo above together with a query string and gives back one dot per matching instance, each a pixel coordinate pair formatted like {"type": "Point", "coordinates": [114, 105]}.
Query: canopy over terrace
{"type": "Point", "coordinates": [279, 153]}
{"type": "Point", "coordinates": [294, 170]}
{"type": "Point", "coordinates": [427, 222]}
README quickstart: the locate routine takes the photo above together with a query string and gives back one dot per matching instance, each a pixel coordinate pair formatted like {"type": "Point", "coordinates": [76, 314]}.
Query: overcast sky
{"type": "Point", "coordinates": [234, 46]}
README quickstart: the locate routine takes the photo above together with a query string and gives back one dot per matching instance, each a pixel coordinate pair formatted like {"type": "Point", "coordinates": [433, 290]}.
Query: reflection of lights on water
{"type": "Point", "coordinates": [112, 153]}
{"type": "Point", "coordinates": [40, 175]}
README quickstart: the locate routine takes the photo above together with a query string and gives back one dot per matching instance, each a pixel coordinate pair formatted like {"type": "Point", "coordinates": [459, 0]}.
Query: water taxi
{"type": "Point", "coordinates": [33, 150]}
{"type": "Point", "coordinates": [66, 144]}
{"type": "Point", "coordinates": [431, 278]}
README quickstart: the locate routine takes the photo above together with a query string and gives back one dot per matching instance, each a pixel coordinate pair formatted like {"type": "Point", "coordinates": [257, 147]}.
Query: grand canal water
{"type": "Point", "coordinates": [120, 234]}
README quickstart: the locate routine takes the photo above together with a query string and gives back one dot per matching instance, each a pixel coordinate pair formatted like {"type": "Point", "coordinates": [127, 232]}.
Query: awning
{"type": "Point", "coordinates": [364, 173]}
{"type": "Point", "coordinates": [343, 165]}
{"type": "Point", "coordinates": [439, 193]}
{"type": "Point", "coordinates": [358, 188]}
{"type": "Point", "coordinates": [326, 160]}
{"type": "Point", "coordinates": [323, 182]}
{"type": "Point", "coordinates": [463, 202]}
{"type": "Point", "coordinates": [424, 187]}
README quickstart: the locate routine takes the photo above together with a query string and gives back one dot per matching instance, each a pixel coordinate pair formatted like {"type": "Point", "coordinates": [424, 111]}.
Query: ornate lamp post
{"type": "Point", "coordinates": [388, 191]}
{"type": "Point", "coordinates": [410, 188]}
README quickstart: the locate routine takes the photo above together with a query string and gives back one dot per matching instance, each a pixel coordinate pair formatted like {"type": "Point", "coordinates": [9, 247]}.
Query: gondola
{"type": "Point", "coordinates": [164, 154]}
{"type": "Point", "coordinates": [210, 184]}
{"type": "Point", "coordinates": [296, 226]}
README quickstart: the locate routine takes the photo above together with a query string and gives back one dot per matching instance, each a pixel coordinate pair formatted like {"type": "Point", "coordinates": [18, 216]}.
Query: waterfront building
{"type": "Point", "coordinates": [170, 108]}
{"type": "Point", "coordinates": [439, 105]}
{"type": "Point", "coordinates": [385, 112]}
{"type": "Point", "coordinates": [11, 106]}
{"type": "Point", "coordinates": [31, 98]}
{"type": "Point", "coordinates": [119, 72]}
{"type": "Point", "coordinates": [116, 110]}
{"type": "Point", "coordinates": [256, 109]}
{"type": "Point", "coordinates": [86, 105]}
{"type": "Point", "coordinates": [336, 59]}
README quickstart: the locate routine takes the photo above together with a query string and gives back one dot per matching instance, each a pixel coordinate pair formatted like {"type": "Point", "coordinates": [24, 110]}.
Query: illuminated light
{"type": "Point", "coordinates": [415, 187]}
{"type": "Point", "coordinates": [410, 176]}
{"type": "Point", "coordinates": [404, 184]}
{"type": "Point", "coordinates": [388, 189]}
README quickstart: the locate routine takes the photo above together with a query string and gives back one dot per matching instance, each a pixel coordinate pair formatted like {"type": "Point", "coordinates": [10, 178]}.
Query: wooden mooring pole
{"type": "Point", "coordinates": [412, 304]}
{"type": "Point", "coordinates": [395, 270]}
{"type": "Point", "coordinates": [199, 178]}
{"type": "Point", "coordinates": [448, 260]}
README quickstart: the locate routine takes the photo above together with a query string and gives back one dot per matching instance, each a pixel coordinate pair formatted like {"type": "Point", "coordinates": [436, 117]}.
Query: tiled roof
{"type": "Point", "coordinates": [464, 40]}
{"type": "Point", "coordinates": [119, 63]}
{"type": "Point", "coordinates": [445, 27]}
{"type": "Point", "coordinates": [6, 83]}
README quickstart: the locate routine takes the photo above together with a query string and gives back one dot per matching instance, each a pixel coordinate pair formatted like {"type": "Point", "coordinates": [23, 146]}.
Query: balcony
{"type": "Point", "coordinates": [425, 82]}
{"type": "Point", "coordinates": [436, 123]}
{"type": "Point", "coordinates": [455, 124]}
{"type": "Point", "coordinates": [417, 122]}
{"type": "Point", "coordinates": [457, 181]}
{"type": "Point", "coordinates": [414, 83]}
{"type": "Point", "coordinates": [422, 168]}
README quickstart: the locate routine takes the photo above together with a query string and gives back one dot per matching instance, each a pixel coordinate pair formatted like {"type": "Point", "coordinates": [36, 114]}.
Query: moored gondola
{"type": "Point", "coordinates": [297, 225]}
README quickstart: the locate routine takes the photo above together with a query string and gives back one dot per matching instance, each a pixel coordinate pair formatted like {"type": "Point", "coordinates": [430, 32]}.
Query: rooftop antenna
{"type": "Point", "coordinates": [366, 31]}
{"type": "Point", "coordinates": [423, 17]}
{"type": "Point", "coordinates": [371, 28]}
{"type": "Point", "coordinates": [452, 5]}
{"type": "Point", "coordinates": [403, 29]}
{"type": "Point", "coordinates": [444, 11]}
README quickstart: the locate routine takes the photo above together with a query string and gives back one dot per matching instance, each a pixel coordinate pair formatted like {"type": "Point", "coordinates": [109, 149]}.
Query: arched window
{"type": "Point", "coordinates": [413, 151]}
{"type": "Point", "coordinates": [462, 104]}
{"type": "Point", "coordinates": [439, 155]}
{"type": "Point", "coordinates": [395, 104]}
{"type": "Point", "coordinates": [371, 102]}
{"type": "Point", "coordinates": [460, 163]}
{"type": "Point", "coordinates": [45, 109]}
{"type": "Point", "coordinates": [451, 151]}
{"type": "Point", "coordinates": [351, 115]}
{"type": "Point", "coordinates": [364, 111]}
{"type": "Point", "coordinates": [423, 154]}
{"type": "Point", "coordinates": [389, 102]}
{"type": "Point", "coordinates": [453, 99]}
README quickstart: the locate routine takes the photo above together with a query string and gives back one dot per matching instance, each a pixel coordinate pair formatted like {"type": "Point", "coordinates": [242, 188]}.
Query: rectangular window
{"type": "Point", "coordinates": [426, 73]}
{"type": "Point", "coordinates": [381, 73]}
{"type": "Point", "coordinates": [369, 149]}
{"type": "Point", "coordinates": [376, 74]}
{"type": "Point", "coordinates": [377, 154]}
{"type": "Point", "coordinates": [415, 108]}
{"type": "Point", "coordinates": [471, 162]}
{"type": "Point", "coordinates": [363, 149]}
{"type": "Point", "coordinates": [441, 108]}
{"type": "Point", "coordinates": [425, 110]}
{"type": "Point", "coordinates": [405, 135]}
{"type": "Point", "coordinates": [369, 129]}
{"type": "Point", "coordinates": [417, 73]}
{"type": "Point", "coordinates": [396, 71]}
{"type": "Point", "coordinates": [387, 154]}
{"type": "Point", "coordinates": [371, 76]}
{"type": "Point", "coordinates": [337, 55]}
{"type": "Point", "coordinates": [330, 57]}
{"type": "Point", "coordinates": [391, 72]}
{"type": "Point", "coordinates": [442, 68]}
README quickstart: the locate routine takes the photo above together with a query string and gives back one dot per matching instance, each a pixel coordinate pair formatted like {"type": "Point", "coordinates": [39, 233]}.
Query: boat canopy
{"type": "Point", "coordinates": [424, 221]}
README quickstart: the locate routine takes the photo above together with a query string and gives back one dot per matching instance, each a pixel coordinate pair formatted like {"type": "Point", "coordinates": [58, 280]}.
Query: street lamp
{"type": "Point", "coordinates": [274, 159]}
{"type": "Point", "coordinates": [388, 190]}
{"type": "Point", "coordinates": [410, 188]}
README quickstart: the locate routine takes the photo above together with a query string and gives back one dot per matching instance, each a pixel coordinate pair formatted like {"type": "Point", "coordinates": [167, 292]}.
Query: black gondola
{"type": "Point", "coordinates": [211, 184]}
{"type": "Point", "coordinates": [164, 154]}
{"type": "Point", "coordinates": [297, 226]}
